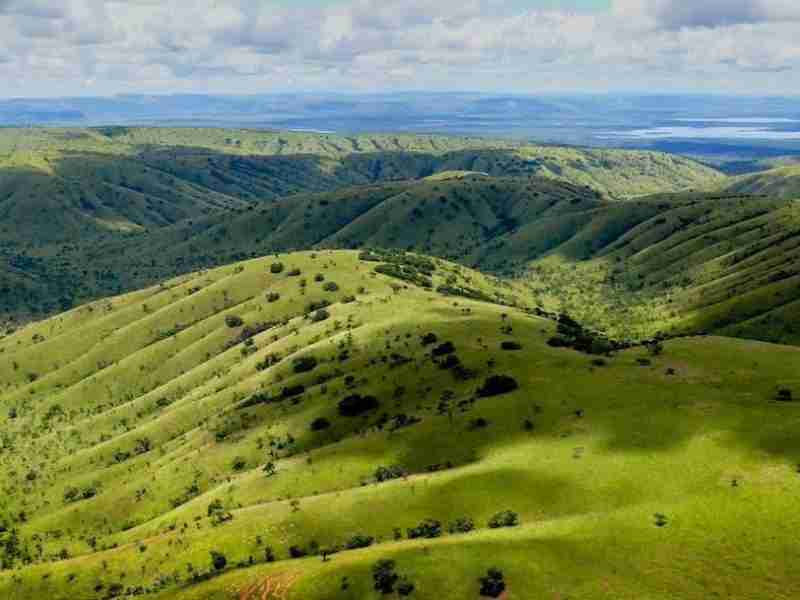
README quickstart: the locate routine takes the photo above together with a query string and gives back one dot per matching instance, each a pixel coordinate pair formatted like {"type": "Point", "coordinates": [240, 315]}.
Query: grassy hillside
{"type": "Point", "coordinates": [783, 182]}
{"type": "Point", "coordinates": [62, 188]}
{"type": "Point", "coordinates": [308, 402]}
{"type": "Point", "coordinates": [722, 263]}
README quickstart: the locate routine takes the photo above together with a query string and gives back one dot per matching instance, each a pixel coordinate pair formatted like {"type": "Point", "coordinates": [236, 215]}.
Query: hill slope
{"type": "Point", "coordinates": [681, 263]}
{"type": "Point", "coordinates": [783, 182]}
{"type": "Point", "coordinates": [226, 411]}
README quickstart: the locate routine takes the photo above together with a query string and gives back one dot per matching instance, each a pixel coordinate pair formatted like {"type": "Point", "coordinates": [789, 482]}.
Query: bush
{"type": "Point", "coordinates": [493, 585]}
{"type": "Point", "coordinates": [497, 385]}
{"type": "Point", "coordinates": [320, 315]}
{"type": "Point", "coordinates": [384, 576]}
{"type": "Point", "coordinates": [273, 297]}
{"type": "Point", "coordinates": [506, 518]}
{"type": "Point", "coordinates": [218, 560]}
{"type": "Point", "coordinates": [388, 473]}
{"type": "Point", "coordinates": [444, 349]}
{"type": "Point", "coordinates": [356, 405]}
{"type": "Point", "coordinates": [360, 541]}
{"type": "Point", "coordinates": [511, 346]}
{"type": "Point", "coordinates": [239, 463]}
{"type": "Point", "coordinates": [297, 552]}
{"type": "Point", "coordinates": [429, 528]}
{"type": "Point", "coordinates": [294, 273]}
{"type": "Point", "coordinates": [320, 424]}
{"type": "Point", "coordinates": [429, 339]}
{"type": "Point", "coordinates": [462, 525]}
{"type": "Point", "coordinates": [784, 395]}
{"type": "Point", "coordinates": [319, 277]}
{"type": "Point", "coordinates": [304, 364]}
{"type": "Point", "coordinates": [276, 268]}
{"type": "Point", "coordinates": [405, 588]}
{"type": "Point", "coordinates": [330, 287]}
{"type": "Point", "coordinates": [233, 321]}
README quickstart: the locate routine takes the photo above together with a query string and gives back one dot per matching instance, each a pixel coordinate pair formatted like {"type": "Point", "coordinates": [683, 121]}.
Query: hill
{"type": "Point", "coordinates": [782, 182]}
{"type": "Point", "coordinates": [677, 263]}
{"type": "Point", "coordinates": [275, 428]}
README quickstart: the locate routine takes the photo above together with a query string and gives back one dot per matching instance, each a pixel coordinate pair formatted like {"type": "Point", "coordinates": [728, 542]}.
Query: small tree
{"type": "Point", "coordinates": [218, 560]}
{"type": "Point", "coordinates": [493, 584]}
{"type": "Point", "coordinates": [506, 518]}
{"type": "Point", "coordinates": [384, 576]}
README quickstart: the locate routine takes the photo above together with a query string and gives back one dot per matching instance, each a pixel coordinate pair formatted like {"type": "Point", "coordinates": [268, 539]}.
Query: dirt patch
{"type": "Point", "coordinates": [273, 587]}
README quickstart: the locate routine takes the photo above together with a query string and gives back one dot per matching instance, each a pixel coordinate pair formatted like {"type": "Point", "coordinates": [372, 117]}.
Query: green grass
{"type": "Point", "coordinates": [780, 182]}
{"type": "Point", "coordinates": [693, 434]}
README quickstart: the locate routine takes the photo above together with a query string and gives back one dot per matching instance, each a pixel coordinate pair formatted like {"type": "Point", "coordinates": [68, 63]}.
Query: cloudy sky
{"type": "Point", "coordinates": [93, 47]}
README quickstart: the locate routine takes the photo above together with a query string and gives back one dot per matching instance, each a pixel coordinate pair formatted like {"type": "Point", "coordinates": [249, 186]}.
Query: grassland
{"type": "Point", "coordinates": [780, 182]}
{"type": "Point", "coordinates": [670, 263]}
{"type": "Point", "coordinates": [142, 432]}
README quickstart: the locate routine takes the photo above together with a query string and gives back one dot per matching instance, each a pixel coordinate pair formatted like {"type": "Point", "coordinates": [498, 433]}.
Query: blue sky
{"type": "Point", "coordinates": [89, 47]}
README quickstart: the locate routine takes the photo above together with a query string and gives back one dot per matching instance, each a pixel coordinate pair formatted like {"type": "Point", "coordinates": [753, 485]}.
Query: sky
{"type": "Point", "coordinates": [52, 48]}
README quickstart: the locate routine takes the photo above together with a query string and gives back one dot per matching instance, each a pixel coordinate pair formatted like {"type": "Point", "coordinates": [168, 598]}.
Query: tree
{"type": "Point", "coordinates": [493, 584]}
{"type": "Point", "coordinates": [270, 469]}
{"type": "Point", "coordinates": [497, 385]}
{"type": "Point", "coordinates": [218, 560]}
{"type": "Point", "coordinates": [506, 518]}
{"type": "Point", "coordinates": [384, 576]}
{"type": "Point", "coordinates": [429, 528]}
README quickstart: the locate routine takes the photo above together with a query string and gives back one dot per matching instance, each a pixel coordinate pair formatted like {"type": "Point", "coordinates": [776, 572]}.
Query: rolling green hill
{"type": "Point", "coordinates": [64, 185]}
{"type": "Point", "coordinates": [680, 263]}
{"type": "Point", "coordinates": [67, 188]}
{"type": "Point", "coordinates": [272, 429]}
{"type": "Point", "coordinates": [782, 182]}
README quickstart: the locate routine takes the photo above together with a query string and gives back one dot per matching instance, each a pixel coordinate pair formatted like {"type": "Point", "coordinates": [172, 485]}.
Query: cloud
{"type": "Point", "coordinates": [251, 45]}
{"type": "Point", "coordinates": [677, 14]}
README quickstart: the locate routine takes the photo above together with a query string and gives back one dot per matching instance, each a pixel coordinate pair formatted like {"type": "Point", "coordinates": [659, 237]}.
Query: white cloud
{"type": "Point", "coordinates": [676, 14]}
{"type": "Point", "coordinates": [250, 45]}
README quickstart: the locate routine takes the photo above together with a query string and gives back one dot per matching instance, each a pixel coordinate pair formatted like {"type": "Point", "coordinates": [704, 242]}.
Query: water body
{"type": "Point", "coordinates": [700, 133]}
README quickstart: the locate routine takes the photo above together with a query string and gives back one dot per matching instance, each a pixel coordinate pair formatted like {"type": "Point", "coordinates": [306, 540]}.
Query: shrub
{"type": "Point", "coordinates": [276, 267]}
{"type": "Point", "coordinates": [297, 552]}
{"type": "Point", "coordinates": [405, 588]}
{"type": "Point", "coordinates": [444, 349]}
{"type": "Point", "coordinates": [273, 297]}
{"type": "Point", "coordinates": [511, 346]}
{"type": "Point", "coordinates": [239, 463]}
{"type": "Point", "coordinates": [320, 424]}
{"type": "Point", "coordinates": [506, 518]}
{"type": "Point", "coordinates": [493, 584]}
{"type": "Point", "coordinates": [497, 385]}
{"type": "Point", "coordinates": [462, 525]}
{"type": "Point", "coordinates": [429, 339]}
{"type": "Point", "coordinates": [304, 364]}
{"type": "Point", "coordinates": [320, 315]}
{"type": "Point", "coordinates": [384, 576]}
{"type": "Point", "coordinates": [356, 405]}
{"type": "Point", "coordinates": [784, 395]}
{"type": "Point", "coordinates": [319, 277]}
{"type": "Point", "coordinates": [294, 273]}
{"type": "Point", "coordinates": [330, 287]}
{"type": "Point", "coordinates": [429, 528]}
{"type": "Point", "coordinates": [479, 423]}
{"type": "Point", "coordinates": [233, 321]}
{"type": "Point", "coordinates": [388, 473]}
{"type": "Point", "coordinates": [218, 560]}
{"type": "Point", "coordinates": [360, 541]}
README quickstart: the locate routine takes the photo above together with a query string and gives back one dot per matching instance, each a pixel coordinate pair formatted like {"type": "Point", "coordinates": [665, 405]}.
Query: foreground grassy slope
{"type": "Point", "coordinates": [135, 432]}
